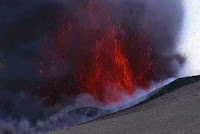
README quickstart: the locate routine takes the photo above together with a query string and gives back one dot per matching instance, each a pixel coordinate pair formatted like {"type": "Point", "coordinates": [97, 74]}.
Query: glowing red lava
{"type": "Point", "coordinates": [95, 47]}
{"type": "Point", "coordinates": [107, 75]}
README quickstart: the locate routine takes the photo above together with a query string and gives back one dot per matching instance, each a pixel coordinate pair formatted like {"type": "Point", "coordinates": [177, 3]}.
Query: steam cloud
{"type": "Point", "coordinates": [24, 22]}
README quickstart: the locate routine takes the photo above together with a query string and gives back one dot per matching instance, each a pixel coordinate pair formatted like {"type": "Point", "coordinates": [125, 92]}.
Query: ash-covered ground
{"type": "Point", "coordinates": [174, 109]}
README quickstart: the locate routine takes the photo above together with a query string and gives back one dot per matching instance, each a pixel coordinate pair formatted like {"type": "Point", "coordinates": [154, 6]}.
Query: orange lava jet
{"type": "Point", "coordinates": [104, 64]}
{"type": "Point", "coordinates": [107, 75]}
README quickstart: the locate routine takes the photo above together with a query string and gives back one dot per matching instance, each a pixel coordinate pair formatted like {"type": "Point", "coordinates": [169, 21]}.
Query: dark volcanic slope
{"type": "Point", "coordinates": [176, 109]}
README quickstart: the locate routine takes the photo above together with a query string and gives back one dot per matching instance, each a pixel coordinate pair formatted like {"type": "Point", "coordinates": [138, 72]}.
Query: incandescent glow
{"type": "Point", "coordinates": [70, 61]}
{"type": "Point", "coordinates": [108, 60]}
{"type": "Point", "coordinates": [108, 73]}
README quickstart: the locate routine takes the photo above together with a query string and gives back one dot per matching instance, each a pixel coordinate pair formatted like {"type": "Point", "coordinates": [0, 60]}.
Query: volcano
{"type": "Point", "coordinates": [91, 51]}
{"type": "Point", "coordinates": [65, 62]}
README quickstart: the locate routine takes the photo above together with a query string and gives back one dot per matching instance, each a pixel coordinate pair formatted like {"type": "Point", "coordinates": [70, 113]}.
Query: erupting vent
{"type": "Point", "coordinates": [107, 60]}
{"type": "Point", "coordinates": [107, 74]}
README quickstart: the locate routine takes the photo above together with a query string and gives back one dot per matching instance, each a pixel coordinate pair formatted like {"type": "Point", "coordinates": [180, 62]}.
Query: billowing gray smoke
{"type": "Point", "coordinates": [162, 20]}
{"type": "Point", "coordinates": [22, 25]}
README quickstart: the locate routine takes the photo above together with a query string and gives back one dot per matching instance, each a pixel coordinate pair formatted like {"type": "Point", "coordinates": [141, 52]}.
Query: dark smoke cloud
{"type": "Point", "coordinates": [18, 105]}
{"type": "Point", "coordinates": [22, 24]}
{"type": "Point", "coordinates": [162, 21]}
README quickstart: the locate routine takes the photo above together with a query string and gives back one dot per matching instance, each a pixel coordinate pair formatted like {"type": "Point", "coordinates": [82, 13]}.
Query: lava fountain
{"type": "Point", "coordinates": [108, 73]}
{"type": "Point", "coordinates": [64, 55]}
{"type": "Point", "coordinates": [106, 58]}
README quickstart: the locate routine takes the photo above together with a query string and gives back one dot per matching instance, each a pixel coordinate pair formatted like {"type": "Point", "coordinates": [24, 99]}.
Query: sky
{"type": "Point", "coordinates": [190, 38]}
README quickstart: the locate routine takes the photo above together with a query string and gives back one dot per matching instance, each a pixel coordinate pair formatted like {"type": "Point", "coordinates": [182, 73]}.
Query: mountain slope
{"type": "Point", "coordinates": [175, 109]}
